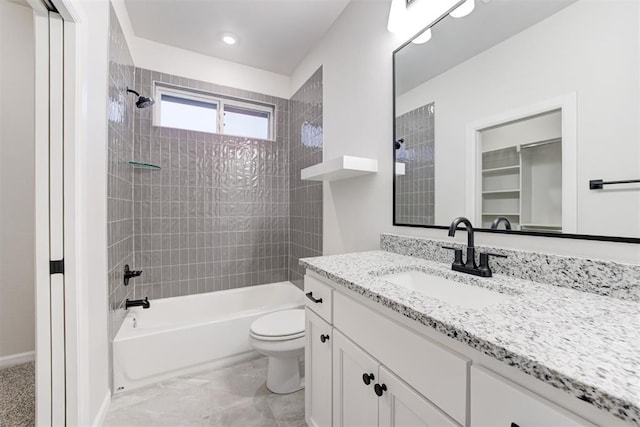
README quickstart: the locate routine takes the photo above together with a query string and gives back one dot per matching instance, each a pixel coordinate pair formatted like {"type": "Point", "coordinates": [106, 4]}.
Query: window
{"type": "Point", "coordinates": [192, 110]}
{"type": "Point", "coordinates": [183, 113]}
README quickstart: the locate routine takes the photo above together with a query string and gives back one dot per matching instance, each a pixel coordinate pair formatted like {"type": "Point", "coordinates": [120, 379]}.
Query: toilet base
{"type": "Point", "coordinates": [283, 375]}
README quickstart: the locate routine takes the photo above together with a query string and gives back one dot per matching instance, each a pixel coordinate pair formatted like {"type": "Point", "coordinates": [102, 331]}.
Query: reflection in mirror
{"type": "Point", "coordinates": [414, 167]}
{"type": "Point", "coordinates": [520, 174]}
{"type": "Point", "coordinates": [533, 101]}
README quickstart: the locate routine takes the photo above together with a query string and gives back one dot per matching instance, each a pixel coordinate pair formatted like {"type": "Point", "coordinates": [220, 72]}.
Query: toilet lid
{"type": "Point", "coordinates": [279, 324]}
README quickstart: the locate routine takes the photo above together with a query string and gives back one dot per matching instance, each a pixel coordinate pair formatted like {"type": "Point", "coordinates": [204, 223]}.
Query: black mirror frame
{"type": "Point", "coordinates": [482, 230]}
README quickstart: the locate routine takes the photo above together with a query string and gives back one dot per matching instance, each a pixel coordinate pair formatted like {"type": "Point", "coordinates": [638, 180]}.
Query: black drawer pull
{"type": "Point", "coordinates": [514, 425]}
{"type": "Point", "coordinates": [367, 378]}
{"type": "Point", "coordinates": [380, 389]}
{"type": "Point", "coordinates": [324, 338]}
{"type": "Point", "coordinates": [316, 300]}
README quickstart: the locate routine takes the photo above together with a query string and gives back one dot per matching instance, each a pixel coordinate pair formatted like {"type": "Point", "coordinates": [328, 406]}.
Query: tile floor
{"type": "Point", "coordinates": [226, 397]}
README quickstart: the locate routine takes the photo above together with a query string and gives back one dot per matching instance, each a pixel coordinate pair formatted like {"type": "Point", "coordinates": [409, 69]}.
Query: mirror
{"type": "Point", "coordinates": [524, 113]}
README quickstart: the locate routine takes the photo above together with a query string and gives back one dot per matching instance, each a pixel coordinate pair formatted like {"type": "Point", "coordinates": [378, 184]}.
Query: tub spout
{"type": "Point", "coordinates": [137, 302]}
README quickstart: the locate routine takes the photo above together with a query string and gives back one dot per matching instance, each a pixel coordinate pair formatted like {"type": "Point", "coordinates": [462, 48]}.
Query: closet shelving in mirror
{"type": "Point", "coordinates": [143, 165]}
{"type": "Point", "coordinates": [516, 190]}
{"type": "Point", "coordinates": [549, 227]}
{"type": "Point", "coordinates": [504, 169]}
{"type": "Point", "coordinates": [501, 185]}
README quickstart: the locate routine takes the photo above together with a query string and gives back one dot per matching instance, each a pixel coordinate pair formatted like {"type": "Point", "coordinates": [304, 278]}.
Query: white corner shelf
{"type": "Point", "coordinates": [343, 167]}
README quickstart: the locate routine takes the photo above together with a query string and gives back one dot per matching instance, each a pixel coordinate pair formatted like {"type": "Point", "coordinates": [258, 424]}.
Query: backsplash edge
{"type": "Point", "coordinates": [606, 278]}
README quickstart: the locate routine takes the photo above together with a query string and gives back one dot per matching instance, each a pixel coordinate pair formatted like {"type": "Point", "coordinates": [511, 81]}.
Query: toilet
{"type": "Point", "coordinates": [280, 336]}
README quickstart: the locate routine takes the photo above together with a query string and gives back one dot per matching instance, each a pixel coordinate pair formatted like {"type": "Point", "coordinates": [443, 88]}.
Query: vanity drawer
{"type": "Point", "coordinates": [318, 297]}
{"type": "Point", "coordinates": [496, 401]}
{"type": "Point", "coordinates": [438, 374]}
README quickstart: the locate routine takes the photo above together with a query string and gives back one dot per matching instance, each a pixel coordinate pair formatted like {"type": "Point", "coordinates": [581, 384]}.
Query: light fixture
{"type": "Point", "coordinates": [406, 20]}
{"type": "Point", "coordinates": [423, 38]}
{"type": "Point", "coordinates": [229, 39]}
{"type": "Point", "coordinates": [464, 9]}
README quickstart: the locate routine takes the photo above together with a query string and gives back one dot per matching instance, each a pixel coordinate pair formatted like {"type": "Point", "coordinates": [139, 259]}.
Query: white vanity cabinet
{"type": "Point", "coordinates": [318, 367]}
{"type": "Point", "coordinates": [402, 406]}
{"type": "Point", "coordinates": [374, 369]}
{"type": "Point", "coordinates": [496, 401]}
{"type": "Point", "coordinates": [354, 375]}
{"type": "Point", "coordinates": [366, 393]}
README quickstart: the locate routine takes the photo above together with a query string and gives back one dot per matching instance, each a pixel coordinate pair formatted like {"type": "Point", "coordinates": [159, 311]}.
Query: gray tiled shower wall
{"type": "Point", "coordinates": [305, 139]}
{"type": "Point", "coordinates": [414, 193]}
{"type": "Point", "coordinates": [216, 216]}
{"type": "Point", "coordinates": [120, 175]}
{"type": "Point", "coordinates": [223, 212]}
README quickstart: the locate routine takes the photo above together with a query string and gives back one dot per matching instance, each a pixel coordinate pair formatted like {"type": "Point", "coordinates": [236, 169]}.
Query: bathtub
{"type": "Point", "coordinates": [180, 335]}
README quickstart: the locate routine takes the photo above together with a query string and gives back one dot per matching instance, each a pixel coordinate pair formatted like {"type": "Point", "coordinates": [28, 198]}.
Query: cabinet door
{"type": "Point", "coordinates": [496, 401]}
{"type": "Point", "coordinates": [401, 406]}
{"type": "Point", "coordinates": [355, 403]}
{"type": "Point", "coordinates": [317, 362]}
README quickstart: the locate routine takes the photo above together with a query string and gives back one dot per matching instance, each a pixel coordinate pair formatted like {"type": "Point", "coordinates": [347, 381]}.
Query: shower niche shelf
{"type": "Point", "coordinates": [342, 167]}
{"type": "Point", "coordinates": [143, 165]}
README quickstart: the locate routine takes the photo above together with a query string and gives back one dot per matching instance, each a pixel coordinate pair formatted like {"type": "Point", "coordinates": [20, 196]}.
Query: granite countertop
{"type": "Point", "coordinates": [585, 344]}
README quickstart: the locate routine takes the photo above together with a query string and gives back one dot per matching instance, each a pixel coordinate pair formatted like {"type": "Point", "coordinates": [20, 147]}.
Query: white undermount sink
{"type": "Point", "coordinates": [446, 290]}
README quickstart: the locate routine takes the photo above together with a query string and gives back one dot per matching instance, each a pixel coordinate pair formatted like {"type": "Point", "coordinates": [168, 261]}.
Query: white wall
{"type": "Point", "coordinates": [91, 209]}
{"type": "Point", "coordinates": [180, 62]}
{"type": "Point", "coordinates": [357, 68]}
{"type": "Point", "coordinates": [558, 56]}
{"type": "Point", "coordinates": [17, 185]}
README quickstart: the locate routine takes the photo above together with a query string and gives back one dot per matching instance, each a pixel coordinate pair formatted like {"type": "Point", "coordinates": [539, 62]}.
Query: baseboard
{"type": "Point", "coordinates": [104, 408]}
{"type": "Point", "coordinates": [16, 359]}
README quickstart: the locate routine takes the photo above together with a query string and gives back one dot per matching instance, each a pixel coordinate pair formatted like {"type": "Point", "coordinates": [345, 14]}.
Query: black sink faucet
{"type": "Point", "coordinates": [496, 222]}
{"type": "Point", "coordinates": [137, 302]}
{"type": "Point", "coordinates": [471, 250]}
{"type": "Point", "coordinates": [469, 266]}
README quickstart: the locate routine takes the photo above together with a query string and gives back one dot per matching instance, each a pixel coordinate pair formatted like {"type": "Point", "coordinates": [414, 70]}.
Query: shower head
{"type": "Point", "coordinates": [143, 101]}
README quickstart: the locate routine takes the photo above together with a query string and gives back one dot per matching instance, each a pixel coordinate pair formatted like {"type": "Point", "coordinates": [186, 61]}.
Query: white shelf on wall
{"type": "Point", "coordinates": [342, 167]}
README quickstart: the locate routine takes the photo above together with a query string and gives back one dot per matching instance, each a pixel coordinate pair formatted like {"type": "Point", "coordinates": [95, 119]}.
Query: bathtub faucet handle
{"type": "Point", "coordinates": [130, 274]}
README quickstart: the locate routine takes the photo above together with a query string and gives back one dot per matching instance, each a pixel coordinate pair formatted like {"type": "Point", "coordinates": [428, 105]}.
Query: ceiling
{"type": "Point", "coordinates": [454, 40]}
{"type": "Point", "coordinates": [273, 35]}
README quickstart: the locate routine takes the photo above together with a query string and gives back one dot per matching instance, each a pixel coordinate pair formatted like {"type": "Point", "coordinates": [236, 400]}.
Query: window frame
{"type": "Point", "coordinates": [211, 98]}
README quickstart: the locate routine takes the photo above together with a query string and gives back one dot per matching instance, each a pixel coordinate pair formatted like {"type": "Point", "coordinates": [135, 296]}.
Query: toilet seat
{"type": "Point", "coordinates": [279, 326]}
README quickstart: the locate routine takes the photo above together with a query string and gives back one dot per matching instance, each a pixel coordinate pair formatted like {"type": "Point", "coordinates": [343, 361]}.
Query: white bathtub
{"type": "Point", "coordinates": [179, 335]}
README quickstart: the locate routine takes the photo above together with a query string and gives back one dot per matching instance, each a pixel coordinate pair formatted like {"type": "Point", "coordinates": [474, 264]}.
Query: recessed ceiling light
{"type": "Point", "coordinates": [464, 9]}
{"type": "Point", "coordinates": [229, 39]}
{"type": "Point", "coordinates": [423, 38]}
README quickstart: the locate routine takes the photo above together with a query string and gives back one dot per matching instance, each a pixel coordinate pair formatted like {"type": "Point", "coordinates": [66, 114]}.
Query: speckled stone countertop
{"type": "Point", "coordinates": [585, 344]}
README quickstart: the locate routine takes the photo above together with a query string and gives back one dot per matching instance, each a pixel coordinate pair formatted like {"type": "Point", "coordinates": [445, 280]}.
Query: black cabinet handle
{"type": "Point", "coordinates": [324, 338]}
{"type": "Point", "coordinates": [367, 378]}
{"type": "Point", "coordinates": [316, 300]}
{"type": "Point", "coordinates": [514, 425]}
{"type": "Point", "coordinates": [380, 389]}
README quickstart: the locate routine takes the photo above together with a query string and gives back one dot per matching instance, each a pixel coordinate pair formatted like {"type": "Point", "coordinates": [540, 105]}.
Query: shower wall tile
{"type": "Point", "coordinates": [120, 220]}
{"type": "Point", "coordinates": [216, 216]}
{"type": "Point", "coordinates": [414, 191]}
{"type": "Point", "coordinates": [305, 149]}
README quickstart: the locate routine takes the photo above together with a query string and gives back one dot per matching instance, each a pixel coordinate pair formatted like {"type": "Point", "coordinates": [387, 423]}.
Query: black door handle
{"type": "Point", "coordinates": [367, 378]}
{"type": "Point", "coordinates": [324, 338]}
{"type": "Point", "coordinates": [514, 425]}
{"type": "Point", "coordinates": [316, 300]}
{"type": "Point", "coordinates": [379, 389]}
